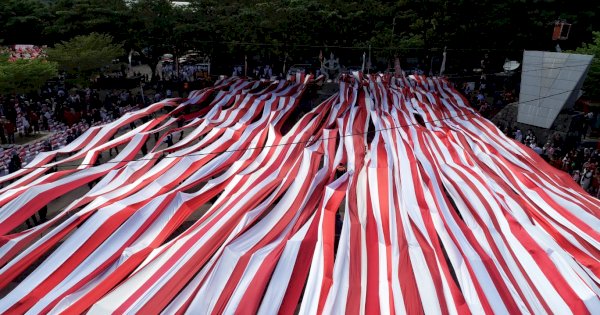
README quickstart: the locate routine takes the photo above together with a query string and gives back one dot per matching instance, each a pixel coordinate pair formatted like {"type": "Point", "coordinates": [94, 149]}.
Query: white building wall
{"type": "Point", "coordinates": [550, 81]}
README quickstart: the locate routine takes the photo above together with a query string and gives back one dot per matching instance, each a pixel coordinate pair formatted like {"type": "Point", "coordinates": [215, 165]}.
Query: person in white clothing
{"type": "Point", "coordinates": [586, 179]}
{"type": "Point", "coordinates": [576, 176]}
{"type": "Point", "coordinates": [519, 135]}
{"type": "Point", "coordinates": [26, 125]}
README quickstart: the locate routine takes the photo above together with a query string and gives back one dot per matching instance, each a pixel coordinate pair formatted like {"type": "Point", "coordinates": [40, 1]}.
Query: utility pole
{"type": "Point", "coordinates": [369, 62]}
{"type": "Point", "coordinates": [391, 40]}
{"type": "Point", "coordinates": [393, 27]}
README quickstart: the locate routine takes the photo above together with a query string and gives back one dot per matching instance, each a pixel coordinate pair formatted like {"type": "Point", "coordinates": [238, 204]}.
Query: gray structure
{"type": "Point", "coordinates": [550, 82]}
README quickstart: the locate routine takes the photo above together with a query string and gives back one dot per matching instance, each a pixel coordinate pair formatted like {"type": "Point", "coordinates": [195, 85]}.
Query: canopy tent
{"type": "Point", "coordinates": [442, 213]}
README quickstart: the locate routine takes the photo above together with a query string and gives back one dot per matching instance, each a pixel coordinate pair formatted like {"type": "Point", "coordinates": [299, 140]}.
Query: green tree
{"type": "Point", "coordinates": [81, 17]}
{"type": "Point", "coordinates": [84, 55]}
{"type": "Point", "coordinates": [591, 86]}
{"type": "Point", "coordinates": [23, 21]}
{"type": "Point", "coordinates": [25, 76]}
{"type": "Point", "coordinates": [299, 29]}
{"type": "Point", "coordinates": [230, 29]}
{"type": "Point", "coordinates": [154, 24]}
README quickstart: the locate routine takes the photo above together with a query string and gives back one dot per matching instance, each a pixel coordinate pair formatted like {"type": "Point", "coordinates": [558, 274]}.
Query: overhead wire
{"type": "Point", "coordinates": [286, 143]}
{"type": "Point", "coordinates": [324, 46]}
{"type": "Point", "coordinates": [454, 76]}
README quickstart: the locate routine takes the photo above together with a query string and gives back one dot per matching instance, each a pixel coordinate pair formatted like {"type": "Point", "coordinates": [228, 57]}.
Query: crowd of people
{"type": "Point", "coordinates": [583, 163]}
{"type": "Point", "coordinates": [487, 98]}
{"type": "Point", "coordinates": [264, 72]}
{"type": "Point", "coordinates": [63, 114]}
{"type": "Point", "coordinates": [566, 153]}
{"type": "Point", "coordinates": [184, 72]}
{"type": "Point", "coordinates": [23, 52]}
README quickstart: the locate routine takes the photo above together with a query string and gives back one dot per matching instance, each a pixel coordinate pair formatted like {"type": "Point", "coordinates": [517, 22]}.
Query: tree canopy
{"type": "Point", "coordinates": [23, 21]}
{"type": "Point", "coordinates": [482, 24]}
{"type": "Point", "coordinates": [25, 75]}
{"type": "Point", "coordinates": [85, 54]}
{"type": "Point", "coordinates": [591, 86]}
{"type": "Point", "coordinates": [230, 29]}
{"type": "Point", "coordinates": [81, 17]}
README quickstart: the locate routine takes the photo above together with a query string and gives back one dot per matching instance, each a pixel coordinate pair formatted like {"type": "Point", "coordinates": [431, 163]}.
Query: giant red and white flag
{"type": "Point", "coordinates": [393, 196]}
